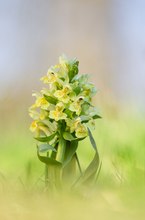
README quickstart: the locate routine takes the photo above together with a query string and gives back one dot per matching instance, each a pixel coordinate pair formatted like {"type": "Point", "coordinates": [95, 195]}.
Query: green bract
{"type": "Point", "coordinates": [63, 110]}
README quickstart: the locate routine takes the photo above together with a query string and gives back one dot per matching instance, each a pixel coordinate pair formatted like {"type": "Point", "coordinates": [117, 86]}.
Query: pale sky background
{"type": "Point", "coordinates": [108, 37]}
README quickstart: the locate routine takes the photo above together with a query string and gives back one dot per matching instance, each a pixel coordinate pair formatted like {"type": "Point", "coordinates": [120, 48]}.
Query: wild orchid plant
{"type": "Point", "coordinates": [63, 115]}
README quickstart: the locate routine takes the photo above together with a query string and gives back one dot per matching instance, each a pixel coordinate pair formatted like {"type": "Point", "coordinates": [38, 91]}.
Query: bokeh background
{"type": "Point", "coordinates": [108, 38]}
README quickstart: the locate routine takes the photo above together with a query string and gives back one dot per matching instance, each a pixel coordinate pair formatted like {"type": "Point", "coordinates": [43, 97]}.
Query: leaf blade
{"type": "Point", "coordinates": [67, 136]}
{"type": "Point", "coordinates": [45, 147]}
{"type": "Point", "coordinates": [92, 140]}
{"type": "Point", "coordinates": [89, 174]}
{"type": "Point", "coordinates": [48, 160]}
{"type": "Point", "coordinates": [50, 99]}
{"type": "Point", "coordinates": [70, 152]}
{"type": "Point", "coordinates": [45, 139]}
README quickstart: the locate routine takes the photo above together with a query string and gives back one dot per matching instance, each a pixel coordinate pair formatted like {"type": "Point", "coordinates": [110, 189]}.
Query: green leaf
{"type": "Point", "coordinates": [69, 113]}
{"type": "Point", "coordinates": [96, 116]}
{"type": "Point", "coordinates": [70, 171]}
{"type": "Point", "coordinates": [48, 160]}
{"type": "Point", "coordinates": [45, 139]}
{"type": "Point", "coordinates": [73, 69]}
{"type": "Point", "coordinates": [87, 101]}
{"type": "Point", "coordinates": [45, 148]}
{"type": "Point", "coordinates": [50, 99]}
{"type": "Point", "coordinates": [92, 140]}
{"type": "Point", "coordinates": [68, 136]}
{"type": "Point", "coordinates": [70, 151]}
{"type": "Point", "coordinates": [77, 90]}
{"type": "Point", "coordinates": [89, 174]}
{"type": "Point", "coordinates": [85, 108]}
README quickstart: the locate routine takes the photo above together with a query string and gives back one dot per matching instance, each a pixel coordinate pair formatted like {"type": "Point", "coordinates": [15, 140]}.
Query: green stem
{"type": "Point", "coordinates": [61, 150]}
{"type": "Point", "coordinates": [53, 172]}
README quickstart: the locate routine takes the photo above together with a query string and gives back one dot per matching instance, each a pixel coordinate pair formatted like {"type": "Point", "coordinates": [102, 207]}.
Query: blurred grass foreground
{"type": "Point", "coordinates": [119, 191]}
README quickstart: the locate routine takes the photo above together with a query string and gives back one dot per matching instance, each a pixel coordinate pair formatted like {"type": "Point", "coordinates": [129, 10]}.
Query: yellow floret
{"type": "Point", "coordinates": [33, 126]}
{"type": "Point", "coordinates": [81, 131]}
{"type": "Point", "coordinates": [58, 113]}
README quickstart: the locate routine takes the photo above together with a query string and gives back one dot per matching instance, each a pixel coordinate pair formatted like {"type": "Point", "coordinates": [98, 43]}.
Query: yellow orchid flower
{"type": "Point", "coordinates": [58, 113]}
{"type": "Point", "coordinates": [42, 102]}
{"type": "Point", "coordinates": [53, 126]}
{"type": "Point", "coordinates": [45, 91]}
{"type": "Point", "coordinates": [37, 115]}
{"type": "Point", "coordinates": [88, 91]}
{"type": "Point", "coordinates": [76, 125]}
{"type": "Point", "coordinates": [43, 114]}
{"type": "Point", "coordinates": [91, 124]}
{"type": "Point", "coordinates": [52, 77]}
{"type": "Point", "coordinates": [45, 129]}
{"type": "Point", "coordinates": [81, 131]}
{"type": "Point", "coordinates": [34, 126]}
{"type": "Point", "coordinates": [72, 124]}
{"type": "Point", "coordinates": [63, 94]}
{"type": "Point", "coordinates": [49, 78]}
{"type": "Point", "coordinates": [33, 113]}
{"type": "Point", "coordinates": [75, 106]}
{"type": "Point", "coordinates": [62, 72]}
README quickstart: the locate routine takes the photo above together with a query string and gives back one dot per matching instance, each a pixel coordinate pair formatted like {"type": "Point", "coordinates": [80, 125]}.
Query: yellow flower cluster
{"type": "Point", "coordinates": [65, 102]}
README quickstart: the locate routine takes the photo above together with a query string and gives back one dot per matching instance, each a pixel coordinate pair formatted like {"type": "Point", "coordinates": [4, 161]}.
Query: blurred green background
{"type": "Point", "coordinates": [108, 38]}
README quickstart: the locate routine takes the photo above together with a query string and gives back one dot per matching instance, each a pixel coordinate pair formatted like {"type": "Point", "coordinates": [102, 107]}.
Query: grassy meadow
{"type": "Point", "coordinates": [118, 193]}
